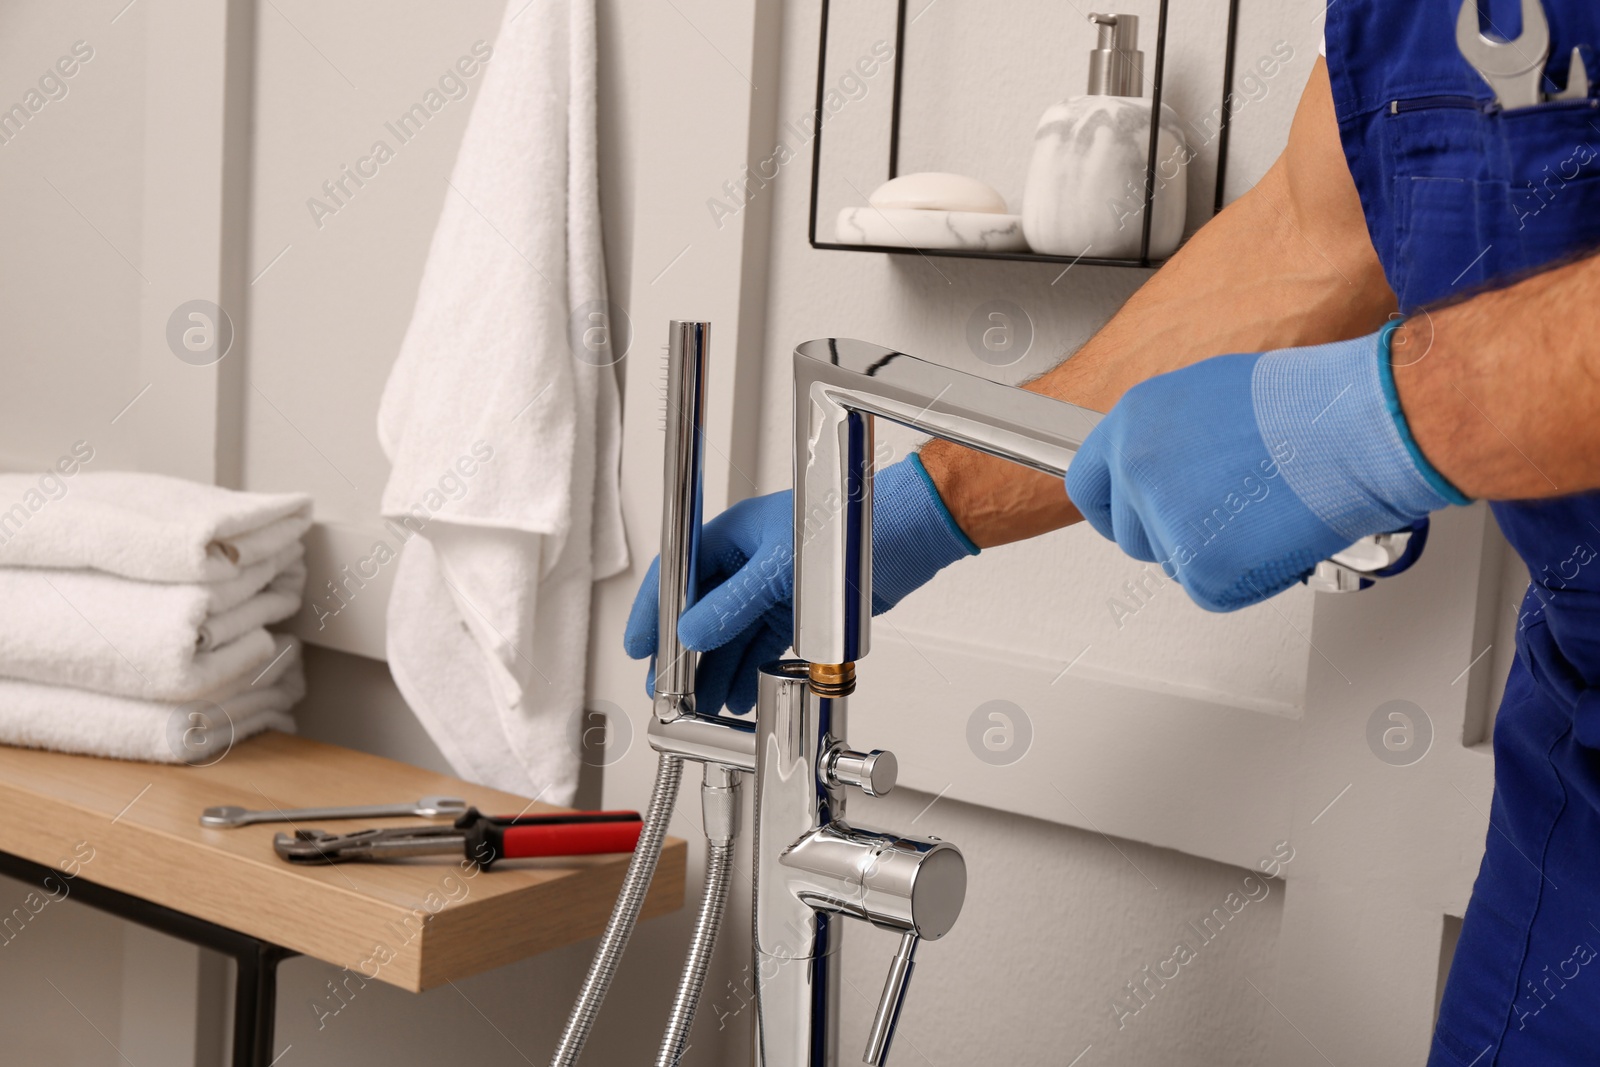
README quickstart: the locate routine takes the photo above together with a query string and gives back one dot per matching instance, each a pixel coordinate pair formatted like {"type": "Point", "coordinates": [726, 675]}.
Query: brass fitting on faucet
{"type": "Point", "coordinates": [833, 679]}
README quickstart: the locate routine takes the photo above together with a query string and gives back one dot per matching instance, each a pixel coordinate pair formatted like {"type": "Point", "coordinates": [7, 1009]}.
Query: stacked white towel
{"type": "Point", "coordinates": [135, 614]}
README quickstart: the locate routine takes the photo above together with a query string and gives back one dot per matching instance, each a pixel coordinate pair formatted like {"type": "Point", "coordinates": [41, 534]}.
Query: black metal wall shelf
{"type": "Point", "coordinates": [1143, 260]}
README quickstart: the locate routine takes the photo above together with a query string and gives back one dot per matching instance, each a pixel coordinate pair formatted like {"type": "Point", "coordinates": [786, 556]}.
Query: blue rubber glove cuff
{"type": "Point", "coordinates": [1391, 398]}
{"type": "Point", "coordinates": [1340, 438]}
{"type": "Point", "coordinates": [907, 510]}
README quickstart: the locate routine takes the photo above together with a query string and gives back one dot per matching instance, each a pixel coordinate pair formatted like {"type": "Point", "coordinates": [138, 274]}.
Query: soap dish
{"type": "Point", "coordinates": [974, 231]}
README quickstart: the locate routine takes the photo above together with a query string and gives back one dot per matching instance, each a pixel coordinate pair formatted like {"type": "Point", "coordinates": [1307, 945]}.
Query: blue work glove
{"type": "Point", "coordinates": [745, 614]}
{"type": "Point", "coordinates": [1241, 473]}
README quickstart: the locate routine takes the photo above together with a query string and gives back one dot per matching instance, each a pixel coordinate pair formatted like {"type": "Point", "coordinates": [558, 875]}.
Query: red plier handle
{"type": "Point", "coordinates": [569, 833]}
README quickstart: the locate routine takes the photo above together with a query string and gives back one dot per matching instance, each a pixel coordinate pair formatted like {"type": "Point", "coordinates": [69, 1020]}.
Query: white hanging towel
{"type": "Point", "coordinates": [147, 526]}
{"type": "Point", "coordinates": [503, 432]}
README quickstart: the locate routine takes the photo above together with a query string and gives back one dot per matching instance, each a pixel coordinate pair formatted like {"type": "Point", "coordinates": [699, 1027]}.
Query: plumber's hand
{"type": "Point", "coordinates": [742, 619]}
{"type": "Point", "coordinates": [1241, 473]}
{"type": "Point", "coordinates": [744, 616]}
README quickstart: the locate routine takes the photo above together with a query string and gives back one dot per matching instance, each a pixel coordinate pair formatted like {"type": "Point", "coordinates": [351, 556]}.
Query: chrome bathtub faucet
{"type": "Point", "coordinates": [812, 867]}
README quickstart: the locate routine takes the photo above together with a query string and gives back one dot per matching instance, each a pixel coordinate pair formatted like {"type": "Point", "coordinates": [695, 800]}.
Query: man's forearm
{"type": "Point", "coordinates": [1289, 263]}
{"type": "Point", "coordinates": [1502, 392]}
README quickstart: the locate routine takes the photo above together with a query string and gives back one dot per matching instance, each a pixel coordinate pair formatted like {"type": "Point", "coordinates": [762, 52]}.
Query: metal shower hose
{"type": "Point", "coordinates": [624, 914]}
{"type": "Point", "coordinates": [719, 866]}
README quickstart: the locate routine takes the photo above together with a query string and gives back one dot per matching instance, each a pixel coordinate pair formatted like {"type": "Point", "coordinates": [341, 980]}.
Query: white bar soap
{"type": "Point", "coordinates": [938, 191]}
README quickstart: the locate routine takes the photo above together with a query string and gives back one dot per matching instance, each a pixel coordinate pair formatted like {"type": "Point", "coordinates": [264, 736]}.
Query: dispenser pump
{"type": "Point", "coordinates": [1116, 66]}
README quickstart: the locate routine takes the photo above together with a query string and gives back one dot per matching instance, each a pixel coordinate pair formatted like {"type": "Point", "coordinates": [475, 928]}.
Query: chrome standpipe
{"type": "Point", "coordinates": [813, 868]}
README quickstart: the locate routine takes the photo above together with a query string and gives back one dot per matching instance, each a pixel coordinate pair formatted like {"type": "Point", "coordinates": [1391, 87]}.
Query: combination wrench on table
{"type": "Point", "coordinates": [229, 815]}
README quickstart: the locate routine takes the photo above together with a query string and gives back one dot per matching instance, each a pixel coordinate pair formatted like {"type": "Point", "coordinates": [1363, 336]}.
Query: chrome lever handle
{"type": "Point", "coordinates": [893, 999]}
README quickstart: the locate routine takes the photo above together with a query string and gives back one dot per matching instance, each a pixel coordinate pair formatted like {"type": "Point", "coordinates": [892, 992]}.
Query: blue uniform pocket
{"type": "Point", "coordinates": [1483, 196]}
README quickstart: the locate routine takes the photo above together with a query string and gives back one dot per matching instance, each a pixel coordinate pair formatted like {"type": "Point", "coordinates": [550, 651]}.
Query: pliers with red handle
{"type": "Point", "coordinates": [483, 839]}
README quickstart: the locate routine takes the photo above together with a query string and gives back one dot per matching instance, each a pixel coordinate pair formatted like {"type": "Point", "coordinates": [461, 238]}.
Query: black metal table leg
{"type": "Point", "coordinates": [255, 995]}
{"type": "Point", "coordinates": [255, 1001]}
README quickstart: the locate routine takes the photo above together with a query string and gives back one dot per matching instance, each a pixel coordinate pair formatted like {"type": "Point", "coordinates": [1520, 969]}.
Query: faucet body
{"type": "Point", "coordinates": [796, 945]}
{"type": "Point", "coordinates": [812, 867]}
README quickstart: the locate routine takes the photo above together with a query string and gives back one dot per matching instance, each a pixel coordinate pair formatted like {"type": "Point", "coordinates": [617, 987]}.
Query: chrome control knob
{"type": "Point", "coordinates": [874, 773]}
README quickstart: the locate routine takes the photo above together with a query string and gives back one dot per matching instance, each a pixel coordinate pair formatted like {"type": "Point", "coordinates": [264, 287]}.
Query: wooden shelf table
{"type": "Point", "coordinates": [128, 838]}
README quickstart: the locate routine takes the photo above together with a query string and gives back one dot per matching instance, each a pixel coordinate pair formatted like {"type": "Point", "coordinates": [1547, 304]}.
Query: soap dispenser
{"type": "Point", "coordinates": [1085, 190]}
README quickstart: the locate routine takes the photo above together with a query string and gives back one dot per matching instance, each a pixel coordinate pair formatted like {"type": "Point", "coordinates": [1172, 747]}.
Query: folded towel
{"type": "Point", "coordinates": [150, 640]}
{"type": "Point", "coordinates": [504, 392]}
{"type": "Point", "coordinates": [146, 526]}
{"type": "Point", "coordinates": [197, 732]}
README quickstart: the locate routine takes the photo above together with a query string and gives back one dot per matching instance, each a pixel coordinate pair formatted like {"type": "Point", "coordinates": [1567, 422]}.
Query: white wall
{"type": "Point", "coordinates": [70, 283]}
{"type": "Point", "coordinates": [1194, 742]}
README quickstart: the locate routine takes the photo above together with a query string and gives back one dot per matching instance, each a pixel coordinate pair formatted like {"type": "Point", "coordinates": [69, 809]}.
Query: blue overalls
{"type": "Point", "coordinates": [1459, 194]}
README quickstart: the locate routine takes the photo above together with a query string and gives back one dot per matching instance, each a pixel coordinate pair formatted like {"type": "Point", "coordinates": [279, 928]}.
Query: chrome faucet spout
{"type": "Point", "coordinates": [840, 386]}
